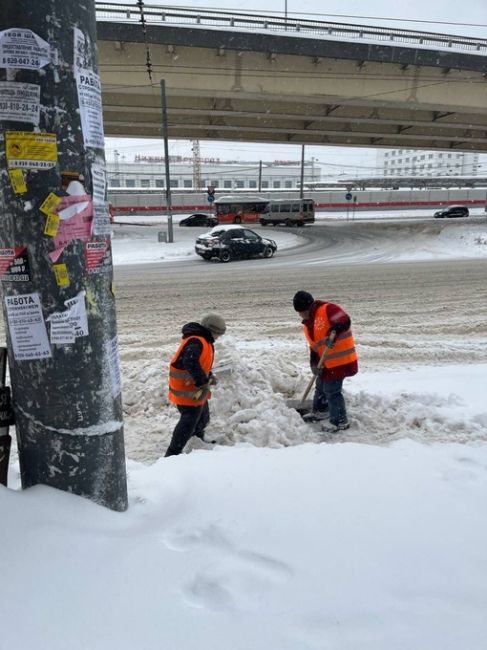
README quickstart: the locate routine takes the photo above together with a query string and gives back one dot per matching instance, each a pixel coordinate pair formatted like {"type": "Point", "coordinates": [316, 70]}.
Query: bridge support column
{"type": "Point", "coordinates": [55, 252]}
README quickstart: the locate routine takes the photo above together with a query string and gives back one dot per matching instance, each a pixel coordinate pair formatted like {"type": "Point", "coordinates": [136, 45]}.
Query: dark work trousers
{"type": "Point", "coordinates": [192, 422]}
{"type": "Point", "coordinates": [329, 397]}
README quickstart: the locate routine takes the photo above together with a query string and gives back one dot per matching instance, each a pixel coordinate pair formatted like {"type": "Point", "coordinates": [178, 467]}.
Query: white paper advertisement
{"type": "Point", "coordinates": [101, 219]}
{"type": "Point", "coordinates": [89, 99]}
{"type": "Point", "coordinates": [68, 325]}
{"type": "Point", "coordinates": [27, 328]}
{"type": "Point", "coordinates": [22, 48]}
{"type": "Point", "coordinates": [20, 102]}
{"type": "Point", "coordinates": [61, 329]}
{"type": "Point", "coordinates": [112, 354]}
{"type": "Point", "coordinates": [99, 183]}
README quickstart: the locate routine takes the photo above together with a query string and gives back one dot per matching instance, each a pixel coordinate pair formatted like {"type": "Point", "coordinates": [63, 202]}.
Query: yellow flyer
{"type": "Point", "coordinates": [30, 150]}
{"type": "Point", "coordinates": [17, 179]}
{"type": "Point", "coordinates": [50, 203]}
{"type": "Point", "coordinates": [52, 225]}
{"type": "Point", "coordinates": [61, 273]}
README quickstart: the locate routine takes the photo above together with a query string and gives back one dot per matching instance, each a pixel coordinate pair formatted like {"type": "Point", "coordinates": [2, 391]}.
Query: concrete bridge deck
{"type": "Point", "coordinates": [252, 84]}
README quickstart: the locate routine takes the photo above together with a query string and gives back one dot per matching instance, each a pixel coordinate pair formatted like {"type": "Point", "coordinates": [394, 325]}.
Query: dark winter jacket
{"type": "Point", "coordinates": [190, 354]}
{"type": "Point", "coordinates": [340, 321]}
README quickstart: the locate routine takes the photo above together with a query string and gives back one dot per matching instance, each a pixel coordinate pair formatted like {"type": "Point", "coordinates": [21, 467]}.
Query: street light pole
{"type": "Point", "coordinates": [170, 235]}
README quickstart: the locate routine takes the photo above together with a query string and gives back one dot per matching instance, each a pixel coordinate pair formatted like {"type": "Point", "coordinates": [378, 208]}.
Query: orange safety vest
{"type": "Point", "coordinates": [343, 351]}
{"type": "Point", "coordinates": [182, 388]}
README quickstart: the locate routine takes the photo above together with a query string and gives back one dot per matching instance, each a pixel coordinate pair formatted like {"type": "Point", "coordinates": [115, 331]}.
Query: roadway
{"type": "Point", "coordinates": [397, 305]}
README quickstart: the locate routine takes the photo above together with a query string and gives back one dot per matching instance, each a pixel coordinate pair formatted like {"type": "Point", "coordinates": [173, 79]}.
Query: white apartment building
{"type": "Point", "coordinates": [148, 172]}
{"type": "Point", "coordinates": [414, 162]}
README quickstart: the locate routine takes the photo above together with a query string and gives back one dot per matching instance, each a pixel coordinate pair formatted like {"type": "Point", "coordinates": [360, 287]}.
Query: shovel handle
{"type": "Point", "coordinates": [331, 338]}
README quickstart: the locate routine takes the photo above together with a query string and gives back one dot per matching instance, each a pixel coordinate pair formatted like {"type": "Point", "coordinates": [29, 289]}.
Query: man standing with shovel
{"type": "Point", "coordinates": [327, 328]}
{"type": "Point", "coordinates": [190, 378]}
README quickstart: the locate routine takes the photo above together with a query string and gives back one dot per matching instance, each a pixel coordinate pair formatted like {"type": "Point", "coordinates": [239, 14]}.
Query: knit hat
{"type": "Point", "coordinates": [214, 323]}
{"type": "Point", "coordinates": [302, 301]}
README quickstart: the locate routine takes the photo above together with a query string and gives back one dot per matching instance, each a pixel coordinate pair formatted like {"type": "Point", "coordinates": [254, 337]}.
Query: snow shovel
{"type": "Point", "coordinates": [301, 405]}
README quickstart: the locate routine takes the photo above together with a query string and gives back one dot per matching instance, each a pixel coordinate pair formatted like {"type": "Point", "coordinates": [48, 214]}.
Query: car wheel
{"type": "Point", "coordinates": [263, 222]}
{"type": "Point", "coordinates": [300, 224]}
{"type": "Point", "coordinates": [225, 256]}
{"type": "Point", "coordinates": [268, 251]}
{"type": "Point", "coordinates": [237, 220]}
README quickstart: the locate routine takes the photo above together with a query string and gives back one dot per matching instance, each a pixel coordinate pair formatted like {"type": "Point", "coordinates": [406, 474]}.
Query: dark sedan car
{"type": "Point", "coordinates": [233, 242]}
{"type": "Point", "coordinates": [452, 211]}
{"type": "Point", "coordinates": [199, 219]}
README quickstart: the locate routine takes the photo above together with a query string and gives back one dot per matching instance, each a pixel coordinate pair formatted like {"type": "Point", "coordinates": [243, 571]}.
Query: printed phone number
{"type": "Point", "coordinates": [17, 106]}
{"type": "Point", "coordinates": [20, 60]}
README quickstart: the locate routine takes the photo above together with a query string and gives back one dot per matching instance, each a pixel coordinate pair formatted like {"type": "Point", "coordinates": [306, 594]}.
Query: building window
{"type": "Point", "coordinates": [159, 182]}
{"type": "Point", "coordinates": [288, 184]}
{"type": "Point", "coordinates": [174, 182]}
{"type": "Point", "coordinates": [276, 184]}
{"type": "Point", "coordinates": [265, 184]}
{"type": "Point", "coordinates": [187, 183]}
{"type": "Point", "coordinates": [386, 154]}
{"type": "Point", "coordinates": [253, 184]}
{"type": "Point", "coordinates": [214, 184]}
{"type": "Point", "coordinates": [227, 185]}
{"type": "Point", "coordinates": [115, 182]}
{"type": "Point", "coordinates": [130, 182]}
{"type": "Point", "coordinates": [145, 182]}
{"type": "Point", "coordinates": [239, 184]}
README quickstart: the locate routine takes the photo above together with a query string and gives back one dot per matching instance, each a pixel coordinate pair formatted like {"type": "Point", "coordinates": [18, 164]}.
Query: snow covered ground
{"type": "Point", "coordinates": [277, 537]}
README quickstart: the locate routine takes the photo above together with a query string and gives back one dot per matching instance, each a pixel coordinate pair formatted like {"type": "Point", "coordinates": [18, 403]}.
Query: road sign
{"type": "Point", "coordinates": [348, 196]}
{"type": "Point", "coordinates": [211, 189]}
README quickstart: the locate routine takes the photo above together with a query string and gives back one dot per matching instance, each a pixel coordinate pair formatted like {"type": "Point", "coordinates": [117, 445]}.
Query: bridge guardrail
{"type": "Point", "coordinates": [128, 13]}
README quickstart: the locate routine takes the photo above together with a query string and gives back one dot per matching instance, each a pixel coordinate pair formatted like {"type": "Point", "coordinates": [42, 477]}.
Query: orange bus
{"type": "Point", "coordinates": [240, 209]}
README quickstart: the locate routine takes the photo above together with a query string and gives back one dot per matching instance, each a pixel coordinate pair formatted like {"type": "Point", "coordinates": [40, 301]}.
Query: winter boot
{"type": "Point", "coordinates": [315, 416]}
{"type": "Point", "coordinates": [329, 427]}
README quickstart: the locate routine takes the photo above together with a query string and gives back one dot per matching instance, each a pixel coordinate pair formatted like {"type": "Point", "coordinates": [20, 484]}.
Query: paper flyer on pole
{"type": "Point", "coordinates": [27, 328]}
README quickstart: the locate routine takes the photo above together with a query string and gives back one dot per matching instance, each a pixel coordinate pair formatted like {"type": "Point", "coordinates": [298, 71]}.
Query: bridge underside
{"type": "Point", "coordinates": [258, 88]}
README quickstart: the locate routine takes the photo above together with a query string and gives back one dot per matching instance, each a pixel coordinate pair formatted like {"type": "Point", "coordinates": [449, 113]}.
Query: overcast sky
{"type": "Point", "coordinates": [466, 18]}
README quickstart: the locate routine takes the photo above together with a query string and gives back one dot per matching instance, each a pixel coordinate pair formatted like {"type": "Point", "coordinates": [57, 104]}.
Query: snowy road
{"type": "Point", "coordinates": [418, 317]}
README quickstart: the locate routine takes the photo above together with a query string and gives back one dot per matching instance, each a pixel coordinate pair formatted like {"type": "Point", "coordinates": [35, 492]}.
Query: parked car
{"type": "Point", "coordinates": [233, 242]}
{"type": "Point", "coordinates": [452, 211]}
{"type": "Point", "coordinates": [199, 219]}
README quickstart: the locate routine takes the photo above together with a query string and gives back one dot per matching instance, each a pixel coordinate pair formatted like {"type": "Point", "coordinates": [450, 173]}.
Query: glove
{"type": "Point", "coordinates": [316, 371]}
{"type": "Point", "coordinates": [201, 391]}
{"type": "Point", "coordinates": [213, 380]}
{"type": "Point", "coordinates": [331, 339]}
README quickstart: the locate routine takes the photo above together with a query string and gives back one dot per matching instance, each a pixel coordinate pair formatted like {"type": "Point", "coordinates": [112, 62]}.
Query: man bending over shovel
{"type": "Point", "coordinates": [327, 327]}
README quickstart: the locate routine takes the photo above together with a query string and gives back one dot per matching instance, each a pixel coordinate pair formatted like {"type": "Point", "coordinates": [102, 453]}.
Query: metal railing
{"type": "Point", "coordinates": [154, 15]}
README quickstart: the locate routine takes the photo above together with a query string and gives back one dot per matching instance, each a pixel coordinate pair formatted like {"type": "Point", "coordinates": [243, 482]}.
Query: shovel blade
{"type": "Point", "coordinates": [300, 406]}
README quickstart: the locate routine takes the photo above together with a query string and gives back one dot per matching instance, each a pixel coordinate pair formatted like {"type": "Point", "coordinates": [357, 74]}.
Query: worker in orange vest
{"type": "Point", "coordinates": [327, 327]}
{"type": "Point", "coordinates": [190, 378]}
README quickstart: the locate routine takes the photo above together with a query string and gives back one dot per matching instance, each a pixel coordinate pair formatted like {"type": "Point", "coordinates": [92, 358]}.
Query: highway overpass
{"type": "Point", "coordinates": [263, 79]}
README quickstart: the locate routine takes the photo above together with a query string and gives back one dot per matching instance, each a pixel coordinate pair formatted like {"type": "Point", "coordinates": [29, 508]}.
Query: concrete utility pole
{"type": "Point", "coordinates": [170, 232]}
{"type": "Point", "coordinates": [197, 184]}
{"type": "Point", "coordinates": [55, 252]}
{"type": "Point", "coordinates": [301, 191]}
